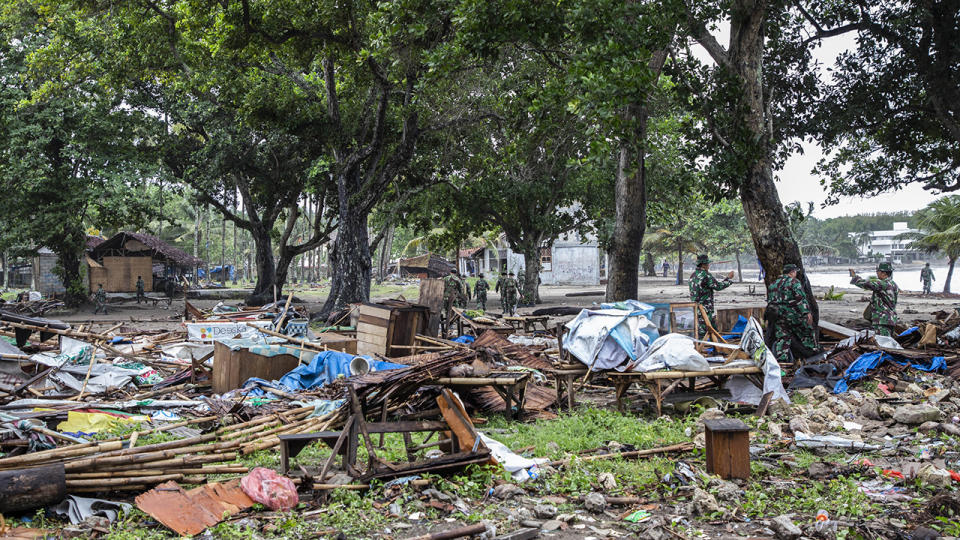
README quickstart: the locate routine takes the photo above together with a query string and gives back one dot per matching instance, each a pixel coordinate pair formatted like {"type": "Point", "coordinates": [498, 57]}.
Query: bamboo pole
{"type": "Point", "coordinates": [173, 462]}
{"type": "Point", "coordinates": [682, 447]}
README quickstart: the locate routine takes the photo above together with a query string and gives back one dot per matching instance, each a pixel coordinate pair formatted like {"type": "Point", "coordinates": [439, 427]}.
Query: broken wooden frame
{"type": "Point", "coordinates": [654, 381]}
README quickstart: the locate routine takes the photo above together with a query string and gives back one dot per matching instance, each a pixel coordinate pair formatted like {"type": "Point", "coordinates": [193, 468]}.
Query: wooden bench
{"type": "Point", "coordinates": [512, 386]}
{"type": "Point", "coordinates": [528, 323]}
{"type": "Point", "coordinates": [566, 378]}
{"type": "Point", "coordinates": [655, 381]}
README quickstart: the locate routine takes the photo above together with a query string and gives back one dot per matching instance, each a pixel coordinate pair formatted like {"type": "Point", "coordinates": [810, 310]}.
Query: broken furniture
{"type": "Point", "coordinates": [24, 326]}
{"type": "Point", "coordinates": [479, 326]}
{"type": "Point", "coordinates": [528, 323]}
{"type": "Point", "coordinates": [565, 377]}
{"type": "Point", "coordinates": [338, 342]}
{"type": "Point", "coordinates": [236, 360]}
{"type": "Point", "coordinates": [511, 385]}
{"type": "Point", "coordinates": [461, 443]}
{"type": "Point", "coordinates": [655, 381]}
{"type": "Point", "coordinates": [388, 324]}
{"type": "Point", "coordinates": [728, 448]}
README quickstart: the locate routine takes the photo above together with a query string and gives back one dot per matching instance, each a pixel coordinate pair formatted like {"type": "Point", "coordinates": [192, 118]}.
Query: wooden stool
{"type": "Point", "coordinates": [728, 448]}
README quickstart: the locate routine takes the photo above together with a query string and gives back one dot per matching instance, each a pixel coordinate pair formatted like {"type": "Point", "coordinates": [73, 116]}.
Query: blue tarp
{"type": "Point", "coordinates": [737, 328]}
{"type": "Point", "coordinates": [871, 360]}
{"type": "Point", "coordinates": [325, 367]}
{"type": "Point", "coordinates": [215, 271]}
{"type": "Point", "coordinates": [466, 340]}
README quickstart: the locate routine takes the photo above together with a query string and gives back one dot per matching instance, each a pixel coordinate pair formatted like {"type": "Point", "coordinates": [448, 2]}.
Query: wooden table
{"type": "Point", "coordinates": [512, 386]}
{"type": "Point", "coordinates": [528, 323]}
{"type": "Point", "coordinates": [566, 378]}
{"type": "Point", "coordinates": [655, 380]}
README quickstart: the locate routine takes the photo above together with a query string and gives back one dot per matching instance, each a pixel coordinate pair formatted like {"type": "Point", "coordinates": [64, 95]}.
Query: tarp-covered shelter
{"type": "Point", "coordinates": [428, 265]}
{"type": "Point", "coordinates": [117, 261]}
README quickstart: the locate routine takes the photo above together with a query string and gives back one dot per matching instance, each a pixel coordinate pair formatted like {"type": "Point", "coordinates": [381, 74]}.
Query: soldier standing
{"type": "Point", "coordinates": [452, 291]}
{"type": "Point", "coordinates": [480, 292]}
{"type": "Point", "coordinates": [510, 295]}
{"type": "Point", "coordinates": [882, 311]}
{"type": "Point", "coordinates": [464, 293]}
{"type": "Point", "coordinates": [499, 289]}
{"type": "Point", "coordinates": [789, 312]}
{"type": "Point", "coordinates": [140, 286]}
{"type": "Point", "coordinates": [521, 287]}
{"type": "Point", "coordinates": [928, 278]}
{"type": "Point", "coordinates": [100, 300]}
{"type": "Point", "coordinates": [702, 284]}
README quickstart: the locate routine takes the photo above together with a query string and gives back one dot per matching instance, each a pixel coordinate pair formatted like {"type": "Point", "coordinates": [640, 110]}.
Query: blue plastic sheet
{"type": "Point", "coordinates": [909, 331]}
{"type": "Point", "coordinates": [871, 360]}
{"type": "Point", "coordinates": [324, 368]}
{"type": "Point", "coordinates": [738, 328]}
{"type": "Point", "coordinates": [466, 340]}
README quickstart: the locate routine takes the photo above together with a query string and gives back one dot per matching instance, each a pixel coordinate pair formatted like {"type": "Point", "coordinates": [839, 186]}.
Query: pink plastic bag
{"type": "Point", "coordinates": [270, 489]}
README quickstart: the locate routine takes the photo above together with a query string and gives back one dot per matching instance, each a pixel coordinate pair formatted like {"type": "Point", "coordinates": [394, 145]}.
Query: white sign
{"type": "Point", "coordinates": [214, 330]}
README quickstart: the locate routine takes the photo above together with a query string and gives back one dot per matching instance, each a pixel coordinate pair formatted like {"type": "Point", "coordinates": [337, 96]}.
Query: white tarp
{"type": "Point", "coordinates": [674, 352]}
{"type": "Point", "coordinates": [606, 338]}
{"type": "Point", "coordinates": [743, 390]}
{"type": "Point", "coordinates": [214, 330]}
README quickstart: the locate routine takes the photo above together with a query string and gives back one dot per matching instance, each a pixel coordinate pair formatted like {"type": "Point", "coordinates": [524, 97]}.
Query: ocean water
{"type": "Point", "coordinates": [907, 280]}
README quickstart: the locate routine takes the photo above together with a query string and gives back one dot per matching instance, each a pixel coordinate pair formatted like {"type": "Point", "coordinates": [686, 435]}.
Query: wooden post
{"type": "Point", "coordinates": [728, 448]}
{"type": "Point", "coordinates": [27, 489]}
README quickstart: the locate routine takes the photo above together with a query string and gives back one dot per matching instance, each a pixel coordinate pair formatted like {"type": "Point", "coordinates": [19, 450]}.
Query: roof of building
{"type": "Point", "coordinates": [160, 249]}
{"type": "Point", "coordinates": [469, 252]}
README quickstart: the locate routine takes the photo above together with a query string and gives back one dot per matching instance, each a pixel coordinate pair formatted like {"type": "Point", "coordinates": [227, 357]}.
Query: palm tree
{"type": "Point", "coordinates": [939, 225]}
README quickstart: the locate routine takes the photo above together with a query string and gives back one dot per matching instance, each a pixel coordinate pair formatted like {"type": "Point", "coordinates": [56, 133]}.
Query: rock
{"type": "Point", "coordinates": [545, 511]}
{"type": "Point", "coordinates": [614, 446]}
{"type": "Point", "coordinates": [939, 396]}
{"type": "Point", "coordinates": [553, 447]}
{"type": "Point", "coordinates": [552, 525]}
{"type": "Point", "coordinates": [870, 409]}
{"type": "Point", "coordinates": [434, 494]}
{"type": "Point", "coordinates": [700, 440]}
{"type": "Point", "coordinates": [784, 528]}
{"type": "Point", "coordinates": [703, 503]}
{"type": "Point", "coordinates": [916, 414]}
{"type": "Point", "coordinates": [913, 388]}
{"type": "Point", "coordinates": [728, 492]}
{"type": "Point", "coordinates": [775, 429]}
{"type": "Point", "coordinates": [712, 413]}
{"type": "Point", "coordinates": [507, 491]}
{"type": "Point", "coordinates": [819, 393]}
{"type": "Point", "coordinates": [607, 480]}
{"type": "Point", "coordinates": [595, 502]}
{"type": "Point", "coordinates": [799, 424]}
{"type": "Point", "coordinates": [531, 523]}
{"type": "Point", "coordinates": [927, 427]}
{"type": "Point", "coordinates": [949, 429]}
{"type": "Point", "coordinates": [887, 411]}
{"type": "Point", "coordinates": [934, 476]}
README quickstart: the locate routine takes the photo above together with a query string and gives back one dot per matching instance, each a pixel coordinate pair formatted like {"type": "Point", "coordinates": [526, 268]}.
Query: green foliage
{"type": "Point", "coordinates": [844, 496]}
{"type": "Point", "coordinates": [832, 296]}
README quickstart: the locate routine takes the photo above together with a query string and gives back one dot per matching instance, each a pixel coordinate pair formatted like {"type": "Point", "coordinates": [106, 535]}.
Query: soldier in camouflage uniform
{"type": "Point", "coordinates": [521, 287]}
{"type": "Point", "coordinates": [788, 311]}
{"type": "Point", "coordinates": [140, 287]}
{"type": "Point", "coordinates": [702, 285]}
{"type": "Point", "coordinates": [882, 310]}
{"type": "Point", "coordinates": [480, 292]}
{"type": "Point", "coordinates": [464, 293]}
{"type": "Point", "coordinates": [510, 293]}
{"type": "Point", "coordinates": [100, 300]}
{"type": "Point", "coordinates": [452, 291]}
{"type": "Point", "coordinates": [499, 289]}
{"type": "Point", "coordinates": [927, 276]}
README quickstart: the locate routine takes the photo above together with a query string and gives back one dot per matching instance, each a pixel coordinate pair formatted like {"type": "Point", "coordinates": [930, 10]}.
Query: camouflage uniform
{"type": "Point", "coordinates": [140, 286]}
{"type": "Point", "coordinates": [927, 276]}
{"type": "Point", "coordinates": [480, 293]}
{"type": "Point", "coordinates": [789, 309]}
{"type": "Point", "coordinates": [883, 302]}
{"type": "Point", "coordinates": [510, 293]}
{"type": "Point", "coordinates": [464, 293]}
{"type": "Point", "coordinates": [521, 287]}
{"type": "Point", "coordinates": [702, 284]}
{"type": "Point", "coordinates": [100, 299]}
{"type": "Point", "coordinates": [452, 291]}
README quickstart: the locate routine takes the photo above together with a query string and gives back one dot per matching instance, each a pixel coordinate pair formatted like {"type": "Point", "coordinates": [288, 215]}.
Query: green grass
{"type": "Point", "coordinates": [840, 497]}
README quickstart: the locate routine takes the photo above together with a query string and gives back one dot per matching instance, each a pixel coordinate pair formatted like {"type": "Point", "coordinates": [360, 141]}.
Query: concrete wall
{"type": "Point", "coordinates": [573, 265]}
{"type": "Point", "coordinates": [44, 280]}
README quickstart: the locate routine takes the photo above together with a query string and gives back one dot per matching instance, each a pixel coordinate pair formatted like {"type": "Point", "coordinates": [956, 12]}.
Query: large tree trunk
{"type": "Point", "coordinates": [68, 262]}
{"type": "Point", "coordinates": [739, 268]}
{"type": "Point", "coordinates": [946, 283]}
{"type": "Point", "coordinates": [350, 256]}
{"type": "Point", "coordinates": [266, 269]}
{"type": "Point", "coordinates": [631, 203]}
{"type": "Point", "coordinates": [766, 219]}
{"type": "Point", "coordinates": [531, 271]}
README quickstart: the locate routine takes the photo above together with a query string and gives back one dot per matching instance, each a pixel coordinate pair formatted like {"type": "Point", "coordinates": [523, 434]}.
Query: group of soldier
{"type": "Point", "coordinates": [788, 311]}
{"type": "Point", "coordinates": [456, 292]}
{"type": "Point", "coordinates": [100, 296]}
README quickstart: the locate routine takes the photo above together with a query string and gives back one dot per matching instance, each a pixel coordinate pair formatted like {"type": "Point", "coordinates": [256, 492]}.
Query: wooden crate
{"type": "Point", "coordinates": [728, 448]}
{"type": "Point", "coordinates": [232, 368]}
{"type": "Point", "coordinates": [339, 342]}
{"type": "Point", "coordinates": [431, 295]}
{"type": "Point", "coordinates": [727, 317]}
{"type": "Point", "coordinates": [381, 327]}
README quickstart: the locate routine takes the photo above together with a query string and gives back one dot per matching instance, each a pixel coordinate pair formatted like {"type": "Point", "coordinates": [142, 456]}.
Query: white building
{"type": "Point", "coordinates": [570, 261]}
{"type": "Point", "coordinates": [890, 244]}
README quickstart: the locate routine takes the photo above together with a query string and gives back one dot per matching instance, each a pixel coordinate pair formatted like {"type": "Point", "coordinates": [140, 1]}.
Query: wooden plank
{"type": "Point", "coordinates": [457, 419]}
{"type": "Point", "coordinates": [367, 319]}
{"type": "Point", "coordinates": [835, 330]}
{"type": "Point", "coordinates": [375, 339]}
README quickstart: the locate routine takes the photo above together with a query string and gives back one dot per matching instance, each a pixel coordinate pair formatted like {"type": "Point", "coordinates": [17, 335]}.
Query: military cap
{"type": "Point", "coordinates": [703, 259]}
{"type": "Point", "coordinates": [885, 267]}
{"type": "Point", "coordinates": [789, 267]}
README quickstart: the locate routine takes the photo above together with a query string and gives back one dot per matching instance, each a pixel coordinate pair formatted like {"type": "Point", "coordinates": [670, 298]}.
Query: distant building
{"type": "Point", "coordinates": [889, 244]}
{"type": "Point", "coordinates": [118, 261]}
{"type": "Point", "coordinates": [571, 260]}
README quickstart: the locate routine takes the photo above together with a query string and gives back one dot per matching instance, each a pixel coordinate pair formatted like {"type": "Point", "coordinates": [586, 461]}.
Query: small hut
{"type": "Point", "coordinates": [428, 265]}
{"type": "Point", "coordinates": [117, 261]}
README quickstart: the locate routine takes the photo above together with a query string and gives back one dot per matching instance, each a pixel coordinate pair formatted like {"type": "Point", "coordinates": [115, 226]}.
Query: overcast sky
{"type": "Point", "coordinates": [797, 183]}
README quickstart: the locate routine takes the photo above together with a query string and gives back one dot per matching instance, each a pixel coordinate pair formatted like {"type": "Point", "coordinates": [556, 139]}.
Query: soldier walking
{"type": "Point", "coordinates": [882, 310]}
{"type": "Point", "coordinates": [928, 278]}
{"type": "Point", "coordinates": [788, 311]}
{"type": "Point", "coordinates": [452, 291]}
{"type": "Point", "coordinates": [510, 293]}
{"type": "Point", "coordinates": [140, 286]}
{"type": "Point", "coordinates": [100, 300]}
{"type": "Point", "coordinates": [521, 287]}
{"type": "Point", "coordinates": [702, 284]}
{"type": "Point", "coordinates": [480, 292]}
{"type": "Point", "coordinates": [500, 290]}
